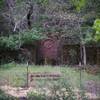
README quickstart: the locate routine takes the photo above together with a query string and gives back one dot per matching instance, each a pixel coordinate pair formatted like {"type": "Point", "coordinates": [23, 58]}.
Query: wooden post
{"type": "Point", "coordinates": [27, 76]}
{"type": "Point", "coordinates": [45, 61]}
{"type": "Point", "coordinates": [81, 55]}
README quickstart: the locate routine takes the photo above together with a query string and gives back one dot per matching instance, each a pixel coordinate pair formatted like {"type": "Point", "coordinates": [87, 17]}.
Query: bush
{"type": "Point", "coordinates": [15, 41]}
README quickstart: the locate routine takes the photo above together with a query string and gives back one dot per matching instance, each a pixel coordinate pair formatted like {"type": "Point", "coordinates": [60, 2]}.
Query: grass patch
{"type": "Point", "coordinates": [15, 74]}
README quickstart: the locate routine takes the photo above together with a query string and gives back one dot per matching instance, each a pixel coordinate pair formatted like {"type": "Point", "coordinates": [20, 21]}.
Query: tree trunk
{"type": "Point", "coordinates": [29, 16]}
{"type": "Point", "coordinates": [27, 75]}
{"type": "Point", "coordinates": [81, 56]}
{"type": "Point", "coordinates": [84, 54]}
{"type": "Point", "coordinates": [98, 56]}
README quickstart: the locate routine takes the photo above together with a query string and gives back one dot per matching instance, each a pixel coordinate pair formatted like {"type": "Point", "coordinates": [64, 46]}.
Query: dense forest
{"type": "Point", "coordinates": [23, 22]}
{"type": "Point", "coordinates": [27, 21]}
{"type": "Point", "coordinates": [49, 49]}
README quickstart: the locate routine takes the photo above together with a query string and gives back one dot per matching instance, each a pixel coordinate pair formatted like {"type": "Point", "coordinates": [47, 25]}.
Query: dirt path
{"type": "Point", "coordinates": [16, 91]}
{"type": "Point", "coordinates": [92, 87]}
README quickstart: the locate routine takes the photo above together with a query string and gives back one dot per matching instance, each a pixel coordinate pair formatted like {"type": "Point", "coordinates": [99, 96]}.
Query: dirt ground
{"type": "Point", "coordinates": [22, 92]}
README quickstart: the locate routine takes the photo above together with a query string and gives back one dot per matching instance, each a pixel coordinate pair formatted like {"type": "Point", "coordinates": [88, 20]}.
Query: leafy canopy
{"type": "Point", "coordinates": [79, 4]}
{"type": "Point", "coordinates": [96, 27]}
{"type": "Point", "coordinates": [87, 35]}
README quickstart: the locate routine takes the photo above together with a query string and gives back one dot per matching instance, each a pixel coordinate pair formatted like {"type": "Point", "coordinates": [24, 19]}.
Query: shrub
{"type": "Point", "coordinates": [17, 40]}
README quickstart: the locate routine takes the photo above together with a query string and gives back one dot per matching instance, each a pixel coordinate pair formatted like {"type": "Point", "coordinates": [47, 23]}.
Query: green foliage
{"type": "Point", "coordinates": [95, 5]}
{"type": "Point", "coordinates": [96, 27]}
{"type": "Point", "coordinates": [86, 5]}
{"type": "Point", "coordinates": [1, 3]}
{"type": "Point", "coordinates": [87, 35]}
{"type": "Point", "coordinates": [79, 4]}
{"type": "Point", "coordinates": [16, 40]}
{"type": "Point", "coordinates": [42, 2]}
